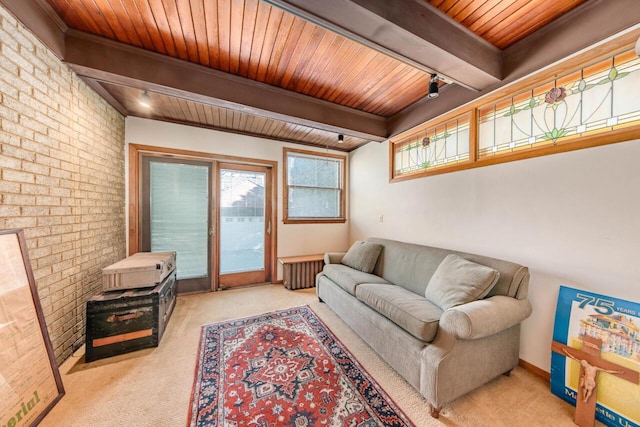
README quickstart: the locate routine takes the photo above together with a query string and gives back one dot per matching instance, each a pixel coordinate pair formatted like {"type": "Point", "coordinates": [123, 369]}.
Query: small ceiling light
{"type": "Point", "coordinates": [340, 138]}
{"type": "Point", "coordinates": [433, 87]}
{"type": "Point", "coordinates": [145, 100]}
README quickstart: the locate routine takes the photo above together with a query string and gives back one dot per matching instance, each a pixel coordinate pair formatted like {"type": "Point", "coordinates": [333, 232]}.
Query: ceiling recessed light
{"type": "Point", "coordinates": [145, 100]}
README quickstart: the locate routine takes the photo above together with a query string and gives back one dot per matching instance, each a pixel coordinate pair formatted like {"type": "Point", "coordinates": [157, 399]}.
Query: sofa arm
{"type": "Point", "coordinates": [333, 257]}
{"type": "Point", "coordinates": [485, 317]}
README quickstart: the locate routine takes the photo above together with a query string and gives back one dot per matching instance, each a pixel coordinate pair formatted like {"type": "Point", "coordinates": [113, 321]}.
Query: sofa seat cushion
{"type": "Point", "coordinates": [410, 311]}
{"type": "Point", "coordinates": [348, 278]}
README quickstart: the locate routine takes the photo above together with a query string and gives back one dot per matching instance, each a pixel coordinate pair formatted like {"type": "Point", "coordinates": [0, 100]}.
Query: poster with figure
{"type": "Point", "coordinates": [611, 371]}
{"type": "Point", "coordinates": [30, 383]}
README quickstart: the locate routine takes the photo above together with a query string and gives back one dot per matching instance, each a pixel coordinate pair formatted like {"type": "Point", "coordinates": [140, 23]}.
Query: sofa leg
{"type": "Point", "coordinates": [508, 373]}
{"type": "Point", "coordinates": [435, 412]}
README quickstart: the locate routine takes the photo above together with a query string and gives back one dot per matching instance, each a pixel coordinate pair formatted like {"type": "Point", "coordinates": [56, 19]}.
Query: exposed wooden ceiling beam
{"type": "Point", "coordinates": [411, 31]}
{"type": "Point", "coordinates": [579, 29]}
{"type": "Point", "coordinates": [585, 26]}
{"type": "Point", "coordinates": [105, 60]}
{"type": "Point", "coordinates": [41, 20]}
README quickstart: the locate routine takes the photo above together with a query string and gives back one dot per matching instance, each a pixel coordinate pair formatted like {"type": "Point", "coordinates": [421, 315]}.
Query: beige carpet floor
{"type": "Point", "coordinates": [152, 387]}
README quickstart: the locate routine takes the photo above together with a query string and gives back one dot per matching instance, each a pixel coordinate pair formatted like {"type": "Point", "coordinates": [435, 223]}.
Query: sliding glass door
{"type": "Point", "coordinates": [215, 215]}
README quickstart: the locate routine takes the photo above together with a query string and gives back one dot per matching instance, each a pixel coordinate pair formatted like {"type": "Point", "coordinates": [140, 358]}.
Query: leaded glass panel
{"type": "Point", "coordinates": [600, 97]}
{"type": "Point", "coordinates": [442, 145]}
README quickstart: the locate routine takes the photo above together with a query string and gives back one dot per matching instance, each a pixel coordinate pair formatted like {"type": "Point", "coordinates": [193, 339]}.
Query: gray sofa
{"type": "Point", "coordinates": [444, 352]}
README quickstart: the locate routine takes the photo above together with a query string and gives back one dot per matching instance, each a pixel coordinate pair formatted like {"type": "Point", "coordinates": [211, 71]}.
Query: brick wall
{"type": "Point", "coordinates": [61, 178]}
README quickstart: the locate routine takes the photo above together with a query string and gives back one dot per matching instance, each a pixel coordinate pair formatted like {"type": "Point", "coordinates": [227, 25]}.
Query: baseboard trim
{"type": "Point", "coordinates": [535, 370]}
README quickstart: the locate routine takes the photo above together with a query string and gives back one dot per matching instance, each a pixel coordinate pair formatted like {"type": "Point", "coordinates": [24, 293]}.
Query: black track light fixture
{"type": "Point", "coordinates": [340, 138]}
{"type": "Point", "coordinates": [433, 87]}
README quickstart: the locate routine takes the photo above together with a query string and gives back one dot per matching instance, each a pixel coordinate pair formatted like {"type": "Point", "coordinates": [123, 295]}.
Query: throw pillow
{"type": "Point", "coordinates": [362, 256]}
{"type": "Point", "coordinates": [458, 281]}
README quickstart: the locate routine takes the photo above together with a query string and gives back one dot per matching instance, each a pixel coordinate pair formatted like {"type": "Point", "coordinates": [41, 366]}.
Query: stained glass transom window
{"type": "Point", "coordinates": [598, 98]}
{"type": "Point", "coordinates": [597, 103]}
{"type": "Point", "coordinates": [441, 145]}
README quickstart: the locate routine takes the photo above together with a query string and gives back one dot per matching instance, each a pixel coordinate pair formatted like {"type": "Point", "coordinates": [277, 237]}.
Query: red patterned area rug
{"type": "Point", "coordinates": [284, 369]}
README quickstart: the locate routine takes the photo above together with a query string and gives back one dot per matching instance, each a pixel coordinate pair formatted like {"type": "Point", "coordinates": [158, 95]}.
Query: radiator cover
{"type": "Point", "coordinates": [300, 272]}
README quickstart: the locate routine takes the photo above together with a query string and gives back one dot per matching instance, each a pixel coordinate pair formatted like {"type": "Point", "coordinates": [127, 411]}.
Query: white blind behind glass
{"type": "Point", "coordinates": [180, 215]}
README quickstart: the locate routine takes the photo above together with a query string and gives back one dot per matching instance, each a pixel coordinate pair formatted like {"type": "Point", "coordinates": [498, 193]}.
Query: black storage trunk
{"type": "Point", "coordinates": [130, 319]}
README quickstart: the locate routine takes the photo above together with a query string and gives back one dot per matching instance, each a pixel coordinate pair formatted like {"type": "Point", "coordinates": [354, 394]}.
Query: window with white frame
{"type": "Point", "coordinates": [314, 189]}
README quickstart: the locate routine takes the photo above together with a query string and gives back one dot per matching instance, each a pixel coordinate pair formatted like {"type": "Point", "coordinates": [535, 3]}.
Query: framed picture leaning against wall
{"type": "Point", "coordinates": [30, 383]}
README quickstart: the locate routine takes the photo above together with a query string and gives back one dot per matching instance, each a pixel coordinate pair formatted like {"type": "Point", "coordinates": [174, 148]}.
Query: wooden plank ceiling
{"type": "Point", "coordinates": [179, 110]}
{"type": "Point", "coordinates": [504, 22]}
{"type": "Point", "coordinates": [252, 39]}
{"type": "Point", "coordinates": [256, 41]}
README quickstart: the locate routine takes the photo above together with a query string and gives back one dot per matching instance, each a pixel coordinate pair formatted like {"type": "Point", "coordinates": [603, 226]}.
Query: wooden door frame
{"type": "Point", "coordinates": [136, 151]}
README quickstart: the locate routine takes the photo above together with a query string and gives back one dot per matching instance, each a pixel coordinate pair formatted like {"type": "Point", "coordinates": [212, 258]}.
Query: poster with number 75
{"type": "Point", "coordinates": [596, 355]}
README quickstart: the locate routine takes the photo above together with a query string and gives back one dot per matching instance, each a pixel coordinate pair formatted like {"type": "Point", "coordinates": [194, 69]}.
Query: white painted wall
{"type": "Point", "coordinates": [572, 218]}
{"type": "Point", "coordinates": [293, 239]}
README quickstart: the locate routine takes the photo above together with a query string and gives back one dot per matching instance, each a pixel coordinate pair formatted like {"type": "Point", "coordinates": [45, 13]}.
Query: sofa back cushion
{"type": "Point", "coordinates": [458, 281]}
{"type": "Point", "coordinates": [362, 256]}
{"type": "Point", "coordinates": [412, 266]}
